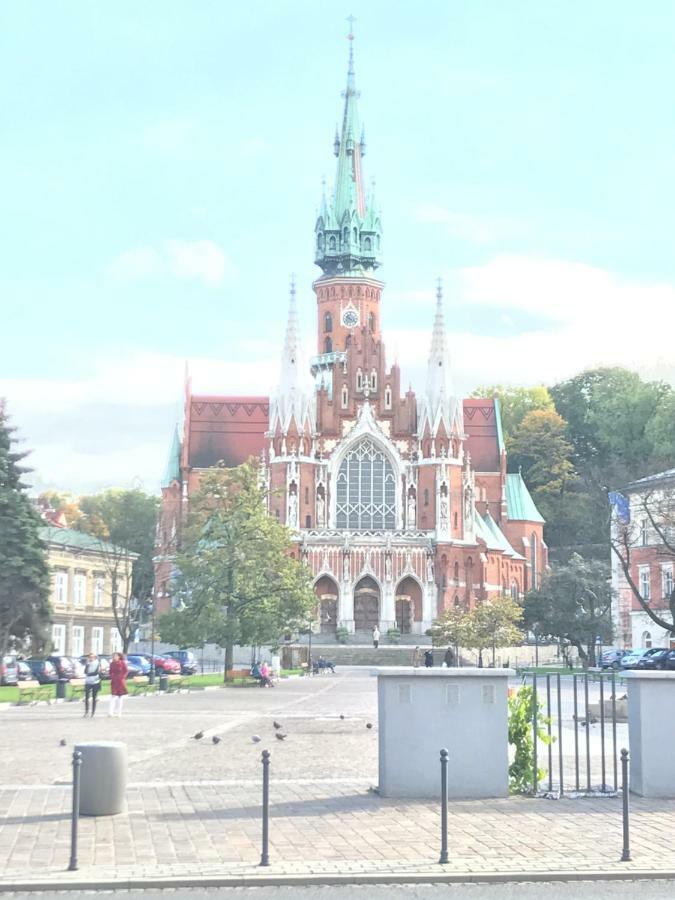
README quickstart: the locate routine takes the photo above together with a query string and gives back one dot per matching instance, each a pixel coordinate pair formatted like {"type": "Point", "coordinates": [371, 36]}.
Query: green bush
{"type": "Point", "coordinates": [394, 635]}
{"type": "Point", "coordinates": [521, 770]}
{"type": "Point", "coordinates": [342, 633]}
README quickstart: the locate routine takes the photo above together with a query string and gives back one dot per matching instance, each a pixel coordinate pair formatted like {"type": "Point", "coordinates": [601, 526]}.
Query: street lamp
{"type": "Point", "coordinates": [151, 675]}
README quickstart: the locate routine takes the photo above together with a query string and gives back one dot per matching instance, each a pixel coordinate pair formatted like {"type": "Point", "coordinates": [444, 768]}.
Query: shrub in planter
{"type": "Point", "coordinates": [394, 635]}
{"type": "Point", "coordinates": [342, 633]}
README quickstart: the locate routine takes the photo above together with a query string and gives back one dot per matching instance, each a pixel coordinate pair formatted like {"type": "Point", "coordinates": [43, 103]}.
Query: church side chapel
{"type": "Point", "coordinates": [401, 506]}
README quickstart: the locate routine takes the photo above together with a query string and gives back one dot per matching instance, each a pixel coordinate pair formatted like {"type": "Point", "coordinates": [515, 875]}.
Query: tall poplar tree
{"type": "Point", "coordinates": [24, 573]}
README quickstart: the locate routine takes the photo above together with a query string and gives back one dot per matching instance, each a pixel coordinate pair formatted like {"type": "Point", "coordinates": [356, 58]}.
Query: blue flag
{"type": "Point", "coordinates": [621, 505]}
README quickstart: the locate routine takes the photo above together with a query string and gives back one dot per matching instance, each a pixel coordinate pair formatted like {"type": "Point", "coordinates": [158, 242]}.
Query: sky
{"type": "Point", "coordinates": [161, 167]}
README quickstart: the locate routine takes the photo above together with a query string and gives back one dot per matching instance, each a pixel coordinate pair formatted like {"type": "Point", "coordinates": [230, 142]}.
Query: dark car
{"type": "Point", "coordinates": [633, 657]}
{"type": "Point", "coordinates": [103, 665]}
{"type": "Point", "coordinates": [133, 669]}
{"type": "Point", "coordinates": [653, 658]}
{"type": "Point", "coordinates": [611, 659]}
{"type": "Point", "coordinates": [25, 673]}
{"type": "Point", "coordinates": [9, 670]}
{"type": "Point", "coordinates": [63, 666]}
{"type": "Point", "coordinates": [188, 663]}
{"type": "Point", "coordinates": [669, 660]}
{"type": "Point", "coordinates": [42, 671]}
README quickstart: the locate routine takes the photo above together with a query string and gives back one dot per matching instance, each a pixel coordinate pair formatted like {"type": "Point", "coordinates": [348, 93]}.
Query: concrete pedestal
{"type": "Point", "coordinates": [103, 778]}
{"type": "Point", "coordinates": [424, 710]}
{"type": "Point", "coordinates": [651, 731]}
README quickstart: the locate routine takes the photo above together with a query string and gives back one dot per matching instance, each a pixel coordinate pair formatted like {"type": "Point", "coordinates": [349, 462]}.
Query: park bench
{"type": "Point", "coordinates": [176, 683]}
{"type": "Point", "coordinates": [76, 689]}
{"type": "Point", "coordinates": [32, 691]}
{"type": "Point", "coordinates": [140, 684]}
{"type": "Point", "coordinates": [243, 676]}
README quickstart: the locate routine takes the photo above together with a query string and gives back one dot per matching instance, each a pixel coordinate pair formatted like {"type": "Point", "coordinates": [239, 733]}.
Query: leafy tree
{"type": "Point", "coordinates": [656, 508]}
{"type": "Point", "coordinates": [238, 581]}
{"type": "Point", "coordinates": [515, 403]}
{"type": "Point", "coordinates": [572, 605]}
{"type": "Point", "coordinates": [124, 521]}
{"type": "Point", "coordinates": [451, 628]}
{"type": "Point", "coordinates": [64, 503]}
{"type": "Point", "coordinates": [492, 623]}
{"type": "Point", "coordinates": [24, 573]}
{"type": "Point", "coordinates": [521, 738]}
{"type": "Point", "coordinates": [660, 431]}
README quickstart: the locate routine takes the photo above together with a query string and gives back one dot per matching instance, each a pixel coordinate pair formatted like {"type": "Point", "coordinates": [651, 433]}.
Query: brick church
{"type": "Point", "coordinates": [401, 505]}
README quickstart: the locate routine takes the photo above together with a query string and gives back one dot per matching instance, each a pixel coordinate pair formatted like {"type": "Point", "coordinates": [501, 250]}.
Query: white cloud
{"type": "Point", "coordinates": [466, 226]}
{"type": "Point", "coordinates": [201, 260]}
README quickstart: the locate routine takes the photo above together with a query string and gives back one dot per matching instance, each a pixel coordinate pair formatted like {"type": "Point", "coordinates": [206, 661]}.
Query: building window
{"type": "Point", "coordinates": [456, 601]}
{"type": "Point", "coordinates": [373, 380]}
{"type": "Point", "coordinates": [426, 496]}
{"type": "Point", "coordinates": [456, 572]}
{"type": "Point", "coordinates": [455, 520]}
{"type": "Point", "coordinates": [667, 577]}
{"type": "Point", "coordinates": [645, 583]}
{"type": "Point", "coordinates": [359, 380]}
{"type": "Point", "coordinates": [61, 588]}
{"type": "Point", "coordinates": [77, 635]}
{"type": "Point", "coordinates": [332, 244]}
{"type": "Point", "coordinates": [79, 589]}
{"type": "Point", "coordinates": [328, 345]}
{"type": "Point", "coordinates": [99, 587]}
{"type": "Point", "coordinates": [306, 495]}
{"type": "Point", "coordinates": [327, 322]}
{"type": "Point", "coordinates": [646, 639]}
{"type": "Point", "coordinates": [644, 536]}
{"type": "Point", "coordinates": [535, 560]}
{"type": "Point", "coordinates": [59, 639]}
{"type": "Point", "coordinates": [366, 489]}
{"type": "Point", "coordinates": [308, 521]}
{"type": "Point", "coordinates": [97, 639]}
{"type": "Point", "coordinates": [345, 396]}
{"type": "Point", "coordinates": [367, 245]}
{"type": "Point", "coordinates": [371, 322]}
{"type": "Point", "coordinates": [514, 591]}
{"type": "Point", "coordinates": [115, 641]}
{"type": "Point", "coordinates": [387, 397]}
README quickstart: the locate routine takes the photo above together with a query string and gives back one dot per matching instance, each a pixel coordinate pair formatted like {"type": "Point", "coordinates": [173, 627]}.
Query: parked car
{"type": "Point", "coordinates": [78, 668]}
{"type": "Point", "coordinates": [63, 665]}
{"type": "Point", "coordinates": [631, 659]}
{"type": "Point", "coordinates": [166, 665]}
{"type": "Point", "coordinates": [654, 658]}
{"type": "Point", "coordinates": [188, 663]}
{"type": "Point", "coordinates": [9, 670]}
{"type": "Point", "coordinates": [42, 670]}
{"type": "Point", "coordinates": [103, 665]}
{"type": "Point", "coordinates": [25, 673]}
{"type": "Point", "coordinates": [133, 669]}
{"type": "Point", "coordinates": [611, 659]}
{"type": "Point", "coordinates": [142, 662]}
{"type": "Point", "coordinates": [669, 661]}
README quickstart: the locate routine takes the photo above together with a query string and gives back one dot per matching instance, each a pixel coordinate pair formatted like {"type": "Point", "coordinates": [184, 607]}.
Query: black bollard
{"type": "Point", "coordinates": [77, 763]}
{"type": "Point", "coordinates": [444, 807]}
{"type": "Point", "coordinates": [265, 856]}
{"type": "Point", "coordinates": [625, 790]}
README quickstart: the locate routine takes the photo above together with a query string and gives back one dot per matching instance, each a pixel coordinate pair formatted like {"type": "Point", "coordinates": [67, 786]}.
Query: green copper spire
{"type": "Point", "coordinates": [348, 230]}
{"type": "Point", "coordinates": [172, 471]}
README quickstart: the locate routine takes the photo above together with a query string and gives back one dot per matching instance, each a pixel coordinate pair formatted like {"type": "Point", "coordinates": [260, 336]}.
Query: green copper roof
{"type": "Point", "coordinates": [499, 536]}
{"type": "Point", "coordinates": [76, 540]}
{"type": "Point", "coordinates": [348, 229]}
{"type": "Point", "coordinates": [498, 420]}
{"type": "Point", "coordinates": [519, 503]}
{"type": "Point", "coordinates": [172, 471]}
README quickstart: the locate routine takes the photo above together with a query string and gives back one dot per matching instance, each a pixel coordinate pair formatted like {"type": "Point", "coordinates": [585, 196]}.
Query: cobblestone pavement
{"type": "Point", "coordinates": [194, 806]}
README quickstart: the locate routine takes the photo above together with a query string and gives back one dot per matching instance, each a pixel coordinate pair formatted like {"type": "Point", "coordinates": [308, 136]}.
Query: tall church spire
{"type": "Point", "coordinates": [439, 403]}
{"type": "Point", "coordinates": [294, 398]}
{"type": "Point", "coordinates": [348, 232]}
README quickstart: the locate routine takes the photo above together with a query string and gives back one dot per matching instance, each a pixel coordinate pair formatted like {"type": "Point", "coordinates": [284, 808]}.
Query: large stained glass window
{"type": "Point", "coordinates": [366, 490]}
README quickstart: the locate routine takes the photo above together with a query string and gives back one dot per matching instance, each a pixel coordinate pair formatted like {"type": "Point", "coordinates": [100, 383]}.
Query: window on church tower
{"type": "Point", "coordinates": [328, 345]}
{"type": "Point", "coordinates": [373, 380]}
{"type": "Point", "coordinates": [371, 322]}
{"type": "Point", "coordinates": [426, 496]}
{"type": "Point", "coordinates": [367, 245]}
{"type": "Point", "coordinates": [359, 380]}
{"type": "Point", "coordinates": [387, 397]}
{"type": "Point", "coordinates": [327, 322]}
{"type": "Point", "coordinates": [345, 396]}
{"type": "Point", "coordinates": [332, 243]}
{"type": "Point", "coordinates": [366, 489]}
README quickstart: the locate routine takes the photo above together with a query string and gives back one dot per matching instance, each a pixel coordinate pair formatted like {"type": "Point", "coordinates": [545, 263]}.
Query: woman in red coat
{"type": "Point", "coordinates": [118, 683]}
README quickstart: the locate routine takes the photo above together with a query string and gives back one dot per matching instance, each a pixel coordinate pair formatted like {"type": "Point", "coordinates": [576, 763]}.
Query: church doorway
{"type": "Point", "coordinates": [408, 604]}
{"type": "Point", "coordinates": [366, 605]}
{"type": "Point", "coordinates": [327, 592]}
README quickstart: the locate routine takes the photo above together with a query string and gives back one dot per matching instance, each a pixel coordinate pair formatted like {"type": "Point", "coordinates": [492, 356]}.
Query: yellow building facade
{"type": "Point", "coordinates": [82, 591]}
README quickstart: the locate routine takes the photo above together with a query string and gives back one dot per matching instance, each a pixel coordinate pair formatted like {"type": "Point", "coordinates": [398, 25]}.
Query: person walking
{"type": "Point", "coordinates": [118, 683]}
{"type": "Point", "coordinates": [449, 657]}
{"type": "Point", "coordinates": [92, 683]}
{"type": "Point", "coordinates": [416, 657]}
{"type": "Point", "coordinates": [428, 659]}
{"type": "Point", "coordinates": [376, 637]}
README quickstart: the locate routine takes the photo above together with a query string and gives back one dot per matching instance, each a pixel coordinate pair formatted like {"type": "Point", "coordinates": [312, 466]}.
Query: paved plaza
{"type": "Point", "coordinates": [194, 806]}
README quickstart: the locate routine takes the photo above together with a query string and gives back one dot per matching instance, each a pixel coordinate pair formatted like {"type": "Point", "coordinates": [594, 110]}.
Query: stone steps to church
{"type": "Point", "coordinates": [367, 655]}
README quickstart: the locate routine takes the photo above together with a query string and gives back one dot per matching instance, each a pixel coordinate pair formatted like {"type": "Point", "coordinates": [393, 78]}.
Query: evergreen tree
{"type": "Point", "coordinates": [24, 574]}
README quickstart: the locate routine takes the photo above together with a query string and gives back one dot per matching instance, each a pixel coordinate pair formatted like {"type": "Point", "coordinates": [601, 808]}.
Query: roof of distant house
{"type": "Point", "coordinates": [70, 539]}
{"type": "Point", "coordinates": [519, 503]}
{"type": "Point", "coordinates": [652, 480]}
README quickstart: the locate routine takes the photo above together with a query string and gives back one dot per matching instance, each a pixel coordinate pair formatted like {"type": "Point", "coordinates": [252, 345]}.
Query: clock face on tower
{"type": "Point", "coordinates": [350, 318]}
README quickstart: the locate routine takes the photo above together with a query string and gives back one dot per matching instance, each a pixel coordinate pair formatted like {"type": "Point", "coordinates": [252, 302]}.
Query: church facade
{"type": "Point", "coordinates": [401, 505]}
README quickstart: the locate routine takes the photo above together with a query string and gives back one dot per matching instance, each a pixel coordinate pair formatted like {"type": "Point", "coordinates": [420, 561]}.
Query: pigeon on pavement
{"type": "Point", "coordinates": [279, 736]}
{"type": "Point", "coordinates": [256, 739]}
{"type": "Point", "coordinates": [369, 724]}
{"type": "Point", "coordinates": [215, 739]}
{"type": "Point", "coordinates": [276, 725]}
{"type": "Point", "coordinates": [199, 735]}
{"type": "Point", "coordinates": [63, 742]}
{"type": "Point", "coordinates": [341, 716]}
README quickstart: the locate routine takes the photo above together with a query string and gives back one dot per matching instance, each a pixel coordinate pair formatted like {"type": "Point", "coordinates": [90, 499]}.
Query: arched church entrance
{"type": "Point", "coordinates": [366, 605]}
{"type": "Point", "coordinates": [408, 604]}
{"type": "Point", "coordinates": [327, 593]}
